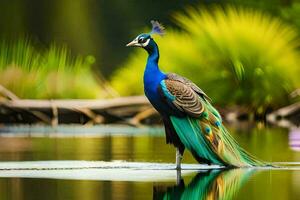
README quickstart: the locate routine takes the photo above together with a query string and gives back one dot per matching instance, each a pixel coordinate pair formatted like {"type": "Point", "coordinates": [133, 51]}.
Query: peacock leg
{"type": "Point", "coordinates": [178, 159]}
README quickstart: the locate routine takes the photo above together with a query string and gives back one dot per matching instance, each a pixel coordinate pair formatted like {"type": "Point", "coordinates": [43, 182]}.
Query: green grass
{"type": "Point", "coordinates": [30, 72]}
{"type": "Point", "coordinates": [237, 55]}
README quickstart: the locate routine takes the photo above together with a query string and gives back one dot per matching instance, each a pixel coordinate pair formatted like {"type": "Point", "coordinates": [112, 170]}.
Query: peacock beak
{"type": "Point", "coordinates": [133, 43]}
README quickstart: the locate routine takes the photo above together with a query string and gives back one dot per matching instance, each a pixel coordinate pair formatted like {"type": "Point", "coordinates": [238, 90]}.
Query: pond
{"type": "Point", "coordinates": [146, 146]}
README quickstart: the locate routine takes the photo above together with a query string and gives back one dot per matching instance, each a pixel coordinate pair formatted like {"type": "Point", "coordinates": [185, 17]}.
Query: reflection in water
{"type": "Point", "coordinates": [215, 184]}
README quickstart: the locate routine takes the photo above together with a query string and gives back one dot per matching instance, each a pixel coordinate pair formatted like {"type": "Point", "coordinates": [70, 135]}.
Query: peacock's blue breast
{"type": "Point", "coordinates": [151, 84]}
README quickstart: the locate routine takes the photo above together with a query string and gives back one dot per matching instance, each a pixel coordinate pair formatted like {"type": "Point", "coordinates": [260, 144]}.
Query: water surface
{"type": "Point", "coordinates": [271, 144]}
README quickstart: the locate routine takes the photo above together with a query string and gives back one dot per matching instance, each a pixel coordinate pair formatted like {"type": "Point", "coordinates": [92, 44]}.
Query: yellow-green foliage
{"type": "Point", "coordinates": [52, 73]}
{"type": "Point", "coordinates": [238, 56]}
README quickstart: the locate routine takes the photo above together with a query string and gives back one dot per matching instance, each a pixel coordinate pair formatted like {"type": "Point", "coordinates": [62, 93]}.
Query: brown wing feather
{"type": "Point", "coordinates": [193, 86]}
{"type": "Point", "coordinates": [186, 99]}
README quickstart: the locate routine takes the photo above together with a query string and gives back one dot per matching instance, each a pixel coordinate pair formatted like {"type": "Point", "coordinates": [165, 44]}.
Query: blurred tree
{"type": "Point", "coordinates": [224, 50]}
{"type": "Point", "coordinates": [96, 27]}
{"type": "Point", "coordinates": [101, 28]}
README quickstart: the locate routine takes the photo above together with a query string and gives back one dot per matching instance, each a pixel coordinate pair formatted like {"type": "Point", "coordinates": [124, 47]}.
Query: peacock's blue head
{"type": "Point", "coordinates": [145, 40]}
{"type": "Point", "coordinates": [142, 40]}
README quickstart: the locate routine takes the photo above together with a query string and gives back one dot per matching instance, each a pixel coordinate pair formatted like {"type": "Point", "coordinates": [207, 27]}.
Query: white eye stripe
{"type": "Point", "coordinates": [146, 43]}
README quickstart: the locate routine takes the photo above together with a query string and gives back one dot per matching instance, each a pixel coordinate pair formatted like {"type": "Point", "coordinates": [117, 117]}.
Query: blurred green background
{"type": "Point", "coordinates": [240, 52]}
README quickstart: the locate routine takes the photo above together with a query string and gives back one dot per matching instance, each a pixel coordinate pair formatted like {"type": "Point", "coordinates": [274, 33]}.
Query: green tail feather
{"type": "Point", "coordinates": [208, 139]}
{"type": "Point", "coordinates": [190, 134]}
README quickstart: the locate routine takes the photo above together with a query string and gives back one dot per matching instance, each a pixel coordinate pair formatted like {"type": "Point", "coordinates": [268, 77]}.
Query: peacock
{"type": "Point", "coordinates": [190, 120]}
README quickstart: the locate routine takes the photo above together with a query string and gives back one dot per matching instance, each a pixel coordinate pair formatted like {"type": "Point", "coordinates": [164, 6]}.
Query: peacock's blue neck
{"type": "Point", "coordinates": [152, 79]}
{"type": "Point", "coordinates": [152, 74]}
{"type": "Point", "coordinates": [153, 52]}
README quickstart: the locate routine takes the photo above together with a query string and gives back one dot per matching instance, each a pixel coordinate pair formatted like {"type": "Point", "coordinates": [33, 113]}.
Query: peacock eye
{"type": "Point", "coordinates": [142, 40]}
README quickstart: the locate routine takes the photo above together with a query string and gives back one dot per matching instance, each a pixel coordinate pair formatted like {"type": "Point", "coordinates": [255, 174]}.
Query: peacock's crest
{"type": "Point", "coordinates": [157, 28]}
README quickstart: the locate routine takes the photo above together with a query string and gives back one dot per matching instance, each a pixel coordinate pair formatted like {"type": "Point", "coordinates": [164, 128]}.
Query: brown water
{"type": "Point", "coordinates": [271, 144]}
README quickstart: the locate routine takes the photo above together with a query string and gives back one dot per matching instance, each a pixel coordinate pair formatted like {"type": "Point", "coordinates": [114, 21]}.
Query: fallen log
{"type": "Point", "coordinates": [287, 116]}
{"type": "Point", "coordinates": [76, 103]}
{"type": "Point", "coordinates": [75, 111]}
